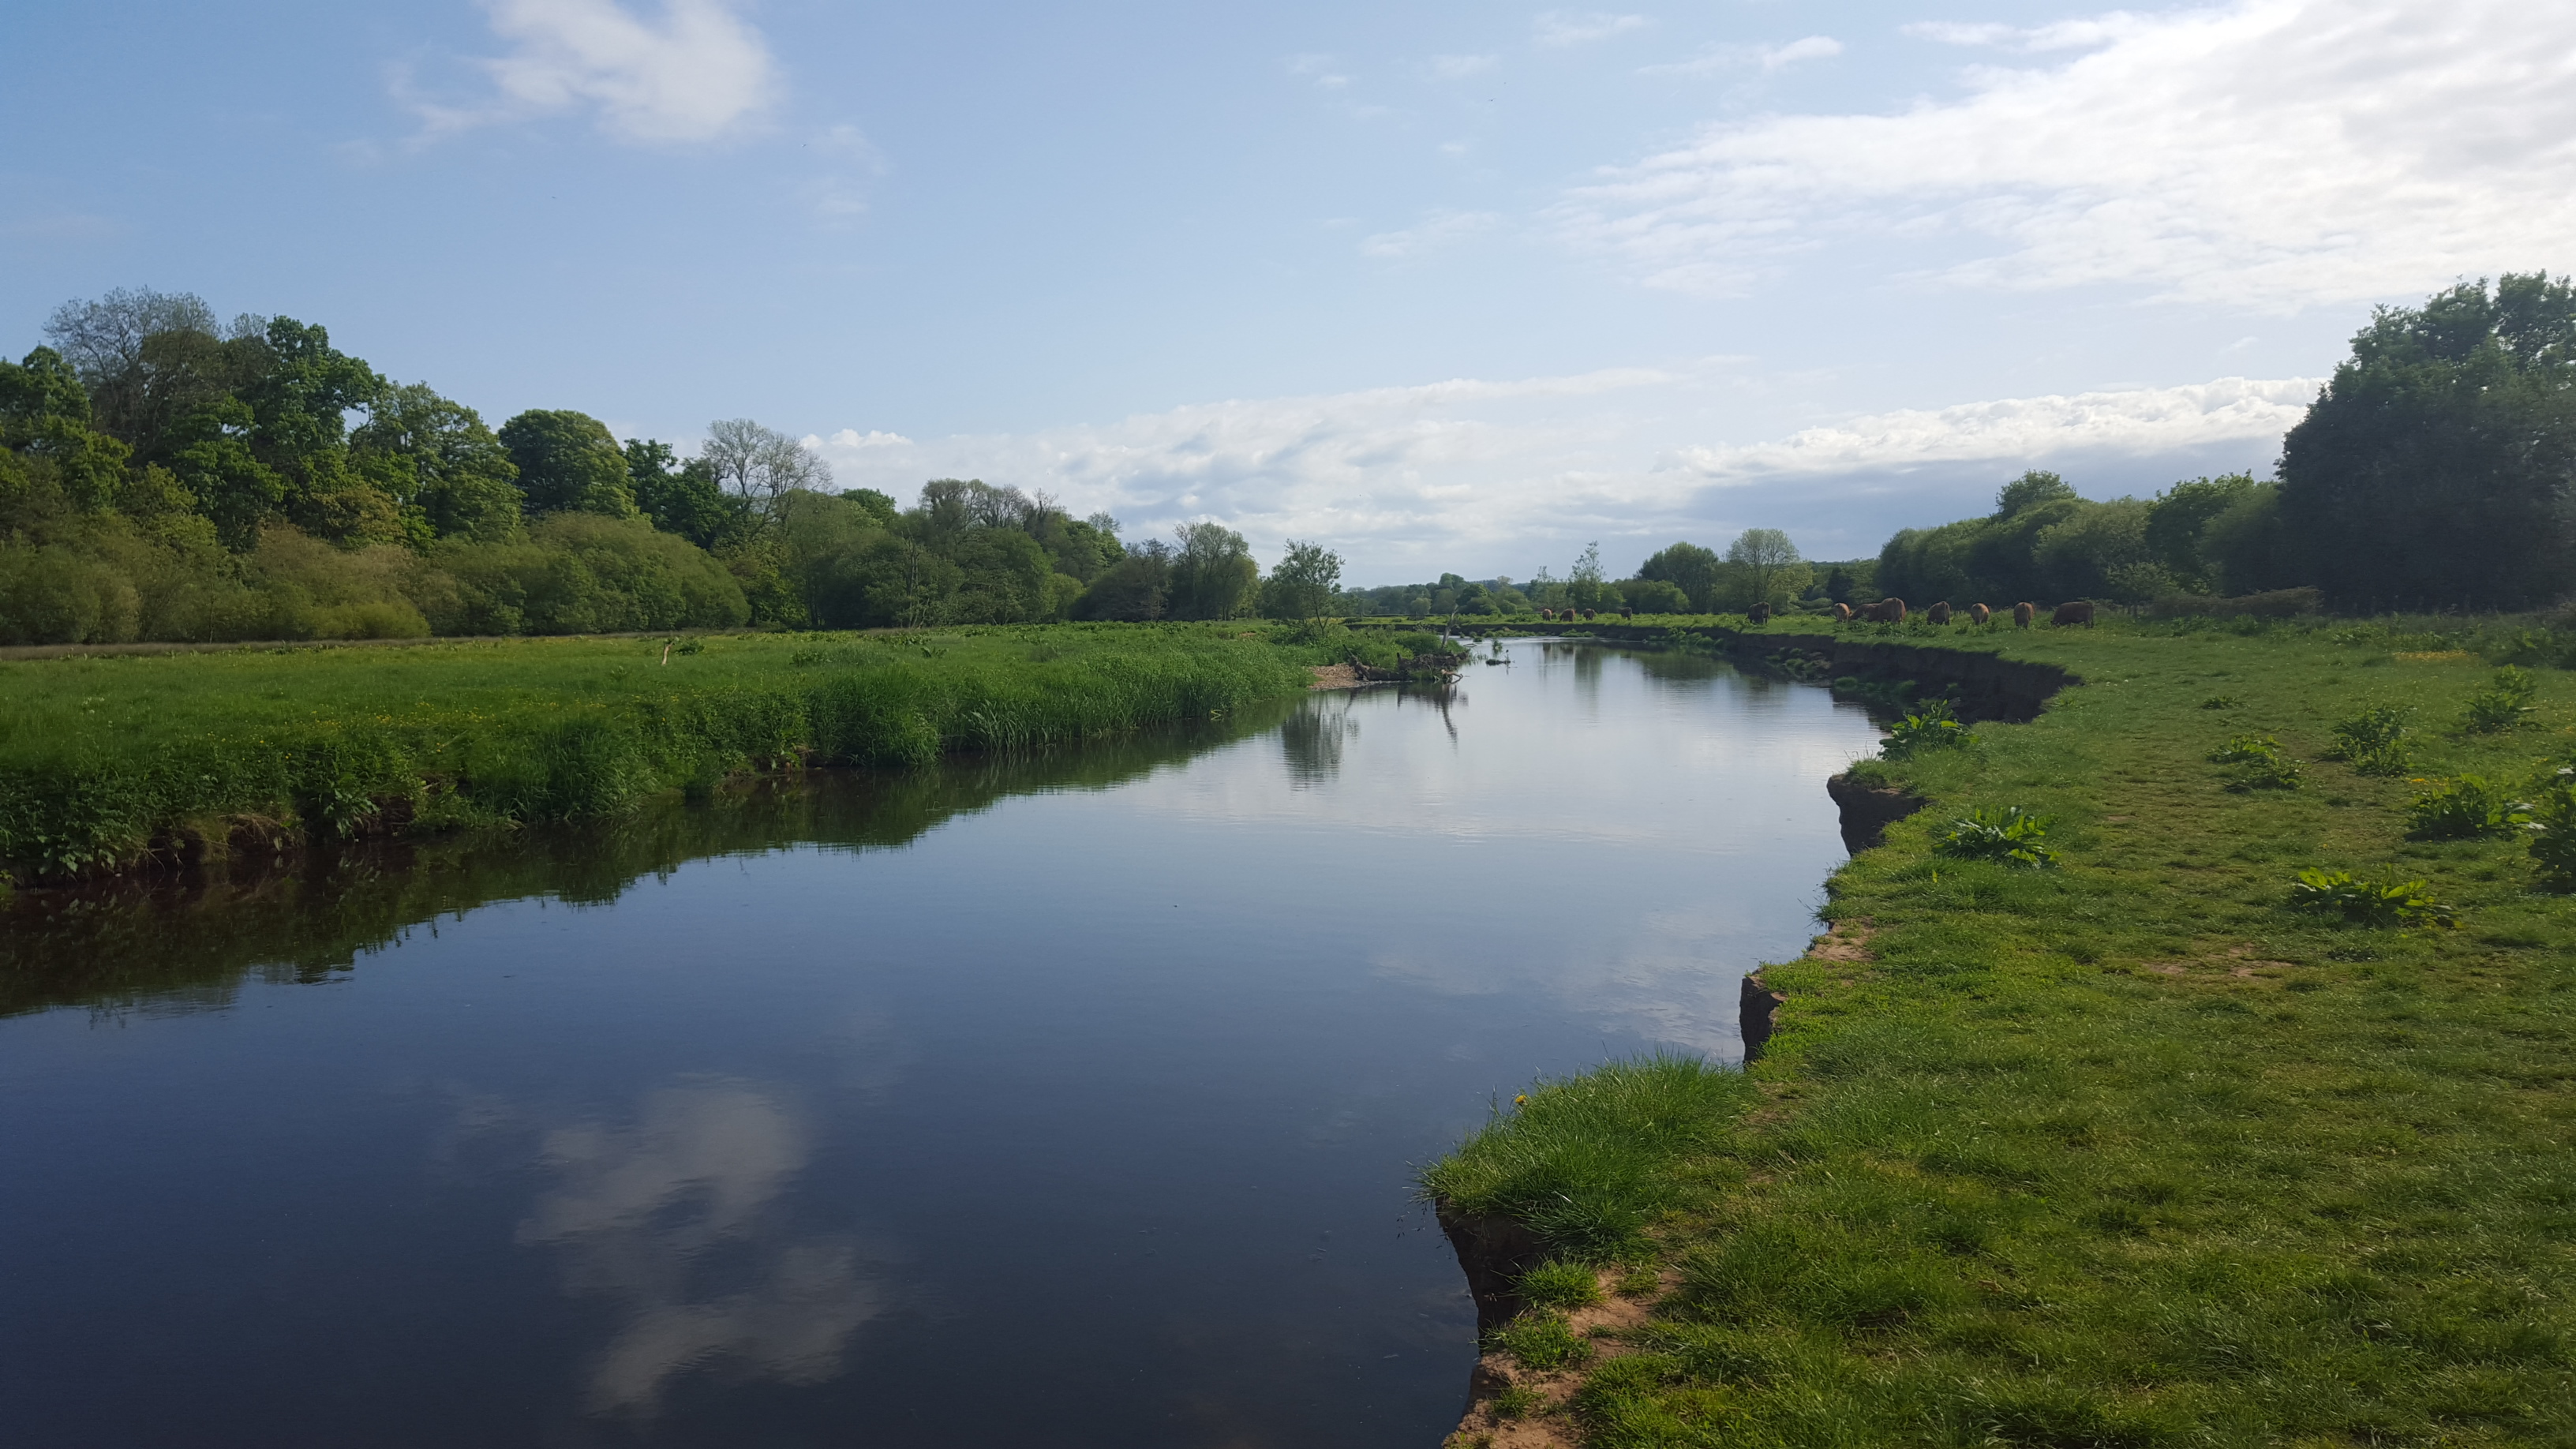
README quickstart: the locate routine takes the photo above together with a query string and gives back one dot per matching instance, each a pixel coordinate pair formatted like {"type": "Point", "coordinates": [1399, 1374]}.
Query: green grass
{"type": "Point", "coordinates": [108, 761]}
{"type": "Point", "coordinates": [2128, 1151]}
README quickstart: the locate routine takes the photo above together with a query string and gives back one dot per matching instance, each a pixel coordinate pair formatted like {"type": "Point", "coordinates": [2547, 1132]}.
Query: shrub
{"type": "Point", "coordinates": [2553, 839]}
{"type": "Point", "coordinates": [2504, 705]}
{"type": "Point", "coordinates": [2246, 750]}
{"type": "Point", "coordinates": [2362, 902]}
{"type": "Point", "coordinates": [2373, 741]}
{"type": "Point", "coordinates": [2009, 836]}
{"type": "Point", "coordinates": [2464, 809]}
{"type": "Point", "coordinates": [1931, 726]}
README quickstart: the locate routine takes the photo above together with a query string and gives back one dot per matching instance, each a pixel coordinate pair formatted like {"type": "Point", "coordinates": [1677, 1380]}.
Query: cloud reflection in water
{"type": "Point", "coordinates": [677, 1217]}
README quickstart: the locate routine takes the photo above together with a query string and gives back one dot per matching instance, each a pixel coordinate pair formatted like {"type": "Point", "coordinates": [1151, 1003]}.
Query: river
{"type": "Point", "coordinates": [1066, 1101]}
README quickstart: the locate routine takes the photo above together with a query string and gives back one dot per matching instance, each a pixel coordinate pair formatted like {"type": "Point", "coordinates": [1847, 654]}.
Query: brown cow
{"type": "Point", "coordinates": [1758, 614]}
{"type": "Point", "coordinates": [1627, 613]}
{"type": "Point", "coordinates": [1842, 613]}
{"type": "Point", "coordinates": [1979, 613]}
{"type": "Point", "coordinates": [2079, 612]}
{"type": "Point", "coordinates": [1547, 613]}
{"type": "Point", "coordinates": [1938, 614]}
{"type": "Point", "coordinates": [2023, 614]}
{"type": "Point", "coordinates": [1887, 611]}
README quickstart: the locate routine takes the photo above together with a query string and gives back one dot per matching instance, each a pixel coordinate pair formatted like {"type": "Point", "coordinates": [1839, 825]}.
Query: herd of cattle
{"type": "Point", "coordinates": [1890, 611]}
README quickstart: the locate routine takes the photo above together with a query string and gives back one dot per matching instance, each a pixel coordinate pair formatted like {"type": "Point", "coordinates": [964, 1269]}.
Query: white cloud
{"type": "Point", "coordinates": [1763, 57]}
{"type": "Point", "coordinates": [1458, 67]}
{"type": "Point", "coordinates": [1318, 68]}
{"type": "Point", "coordinates": [1559, 28]}
{"type": "Point", "coordinates": [1436, 229]}
{"type": "Point", "coordinates": [2136, 421]}
{"type": "Point", "coordinates": [2269, 153]}
{"type": "Point", "coordinates": [696, 72]}
{"type": "Point", "coordinates": [1482, 472]}
{"type": "Point", "coordinates": [2081, 34]}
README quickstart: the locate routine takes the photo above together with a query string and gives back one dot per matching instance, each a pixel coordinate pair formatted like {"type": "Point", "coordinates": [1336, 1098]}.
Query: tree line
{"type": "Point", "coordinates": [166, 475]}
{"type": "Point", "coordinates": [2435, 471]}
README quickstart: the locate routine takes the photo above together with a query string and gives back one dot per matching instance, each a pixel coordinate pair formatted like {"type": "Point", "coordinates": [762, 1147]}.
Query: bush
{"type": "Point", "coordinates": [2276, 604]}
{"type": "Point", "coordinates": [2261, 765]}
{"type": "Point", "coordinates": [1932, 726]}
{"type": "Point", "coordinates": [2373, 742]}
{"type": "Point", "coordinates": [2502, 706]}
{"type": "Point", "coordinates": [2246, 750]}
{"type": "Point", "coordinates": [2360, 902]}
{"type": "Point", "coordinates": [2464, 809]}
{"type": "Point", "coordinates": [2009, 836]}
{"type": "Point", "coordinates": [2553, 823]}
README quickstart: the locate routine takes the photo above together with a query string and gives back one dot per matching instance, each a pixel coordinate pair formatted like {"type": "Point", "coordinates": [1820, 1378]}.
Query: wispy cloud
{"type": "Point", "coordinates": [1476, 470]}
{"type": "Point", "coordinates": [1436, 230]}
{"type": "Point", "coordinates": [1323, 70]}
{"type": "Point", "coordinates": [1559, 28]}
{"type": "Point", "coordinates": [2135, 421]}
{"type": "Point", "coordinates": [1752, 57]}
{"type": "Point", "coordinates": [1459, 67]}
{"type": "Point", "coordinates": [694, 73]}
{"type": "Point", "coordinates": [2270, 153]}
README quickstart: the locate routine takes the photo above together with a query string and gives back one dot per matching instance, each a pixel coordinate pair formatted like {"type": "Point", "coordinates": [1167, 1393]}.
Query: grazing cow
{"type": "Point", "coordinates": [1939, 613]}
{"type": "Point", "coordinates": [1758, 614]}
{"type": "Point", "coordinates": [1886, 611]}
{"type": "Point", "coordinates": [2079, 612]}
{"type": "Point", "coordinates": [1979, 614]}
{"type": "Point", "coordinates": [1627, 613]}
{"type": "Point", "coordinates": [2023, 614]}
{"type": "Point", "coordinates": [1842, 613]}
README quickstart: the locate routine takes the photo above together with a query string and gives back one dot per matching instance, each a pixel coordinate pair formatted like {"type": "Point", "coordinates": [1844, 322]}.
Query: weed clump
{"type": "Point", "coordinates": [2503, 705]}
{"type": "Point", "coordinates": [2259, 761]}
{"type": "Point", "coordinates": [2362, 902]}
{"type": "Point", "coordinates": [2007, 836]}
{"type": "Point", "coordinates": [2465, 809]}
{"type": "Point", "coordinates": [2373, 742]}
{"type": "Point", "coordinates": [1932, 726]}
{"type": "Point", "coordinates": [2553, 827]}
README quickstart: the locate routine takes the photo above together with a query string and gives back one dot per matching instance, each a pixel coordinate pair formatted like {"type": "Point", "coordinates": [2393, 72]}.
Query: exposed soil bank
{"type": "Point", "coordinates": [1867, 810]}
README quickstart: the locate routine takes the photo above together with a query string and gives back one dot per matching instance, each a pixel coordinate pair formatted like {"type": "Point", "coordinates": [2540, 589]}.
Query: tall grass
{"type": "Point", "coordinates": [108, 763]}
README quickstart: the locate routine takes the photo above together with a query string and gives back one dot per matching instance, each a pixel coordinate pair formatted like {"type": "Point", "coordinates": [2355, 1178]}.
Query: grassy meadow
{"type": "Point", "coordinates": [109, 761]}
{"type": "Point", "coordinates": [2126, 1149]}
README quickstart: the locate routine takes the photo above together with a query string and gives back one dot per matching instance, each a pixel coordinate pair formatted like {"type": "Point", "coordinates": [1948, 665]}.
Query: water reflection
{"type": "Point", "coordinates": [188, 943]}
{"type": "Point", "coordinates": [1312, 737]}
{"type": "Point", "coordinates": [677, 1218]}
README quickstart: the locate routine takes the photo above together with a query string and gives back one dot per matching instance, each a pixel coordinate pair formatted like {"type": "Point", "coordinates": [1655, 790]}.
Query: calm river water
{"type": "Point", "coordinates": [1061, 1102]}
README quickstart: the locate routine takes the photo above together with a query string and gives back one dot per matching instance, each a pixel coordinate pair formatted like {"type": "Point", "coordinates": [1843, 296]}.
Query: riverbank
{"type": "Point", "coordinates": [120, 762]}
{"type": "Point", "coordinates": [2120, 1151]}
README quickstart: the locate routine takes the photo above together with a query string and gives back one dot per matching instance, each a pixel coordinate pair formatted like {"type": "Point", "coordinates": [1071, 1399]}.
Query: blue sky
{"type": "Point", "coordinates": [1446, 286]}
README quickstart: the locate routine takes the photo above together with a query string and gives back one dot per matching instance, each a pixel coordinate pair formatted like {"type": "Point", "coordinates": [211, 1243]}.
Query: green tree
{"type": "Point", "coordinates": [1689, 568]}
{"type": "Point", "coordinates": [1303, 583]}
{"type": "Point", "coordinates": [440, 459]}
{"type": "Point", "coordinates": [1584, 587]}
{"type": "Point", "coordinates": [1213, 575]}
{"type": "Point", "coordinates": [2435, 468]}
{"type": "Point", "coordinates": [684, 498]}
{"type": "Point", "coordinates": [1766, 556]}
{"type": "Point", "coordinates": [568, 463]}
{"type": "Point", "coordinates": [2178, 517]}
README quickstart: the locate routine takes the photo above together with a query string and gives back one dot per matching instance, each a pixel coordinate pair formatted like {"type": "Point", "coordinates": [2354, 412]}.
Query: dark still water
{"type": "Point", "coordinates": [1065, 1102]}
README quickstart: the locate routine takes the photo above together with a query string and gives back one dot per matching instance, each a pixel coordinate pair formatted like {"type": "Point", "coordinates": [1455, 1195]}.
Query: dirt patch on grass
{"type": "Point", "coordinates": [1333, 676]}
{"type": "Point", "coordinates": [1510, 1406]}
{"type": "Point", "coordinates": [1848, 941]}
